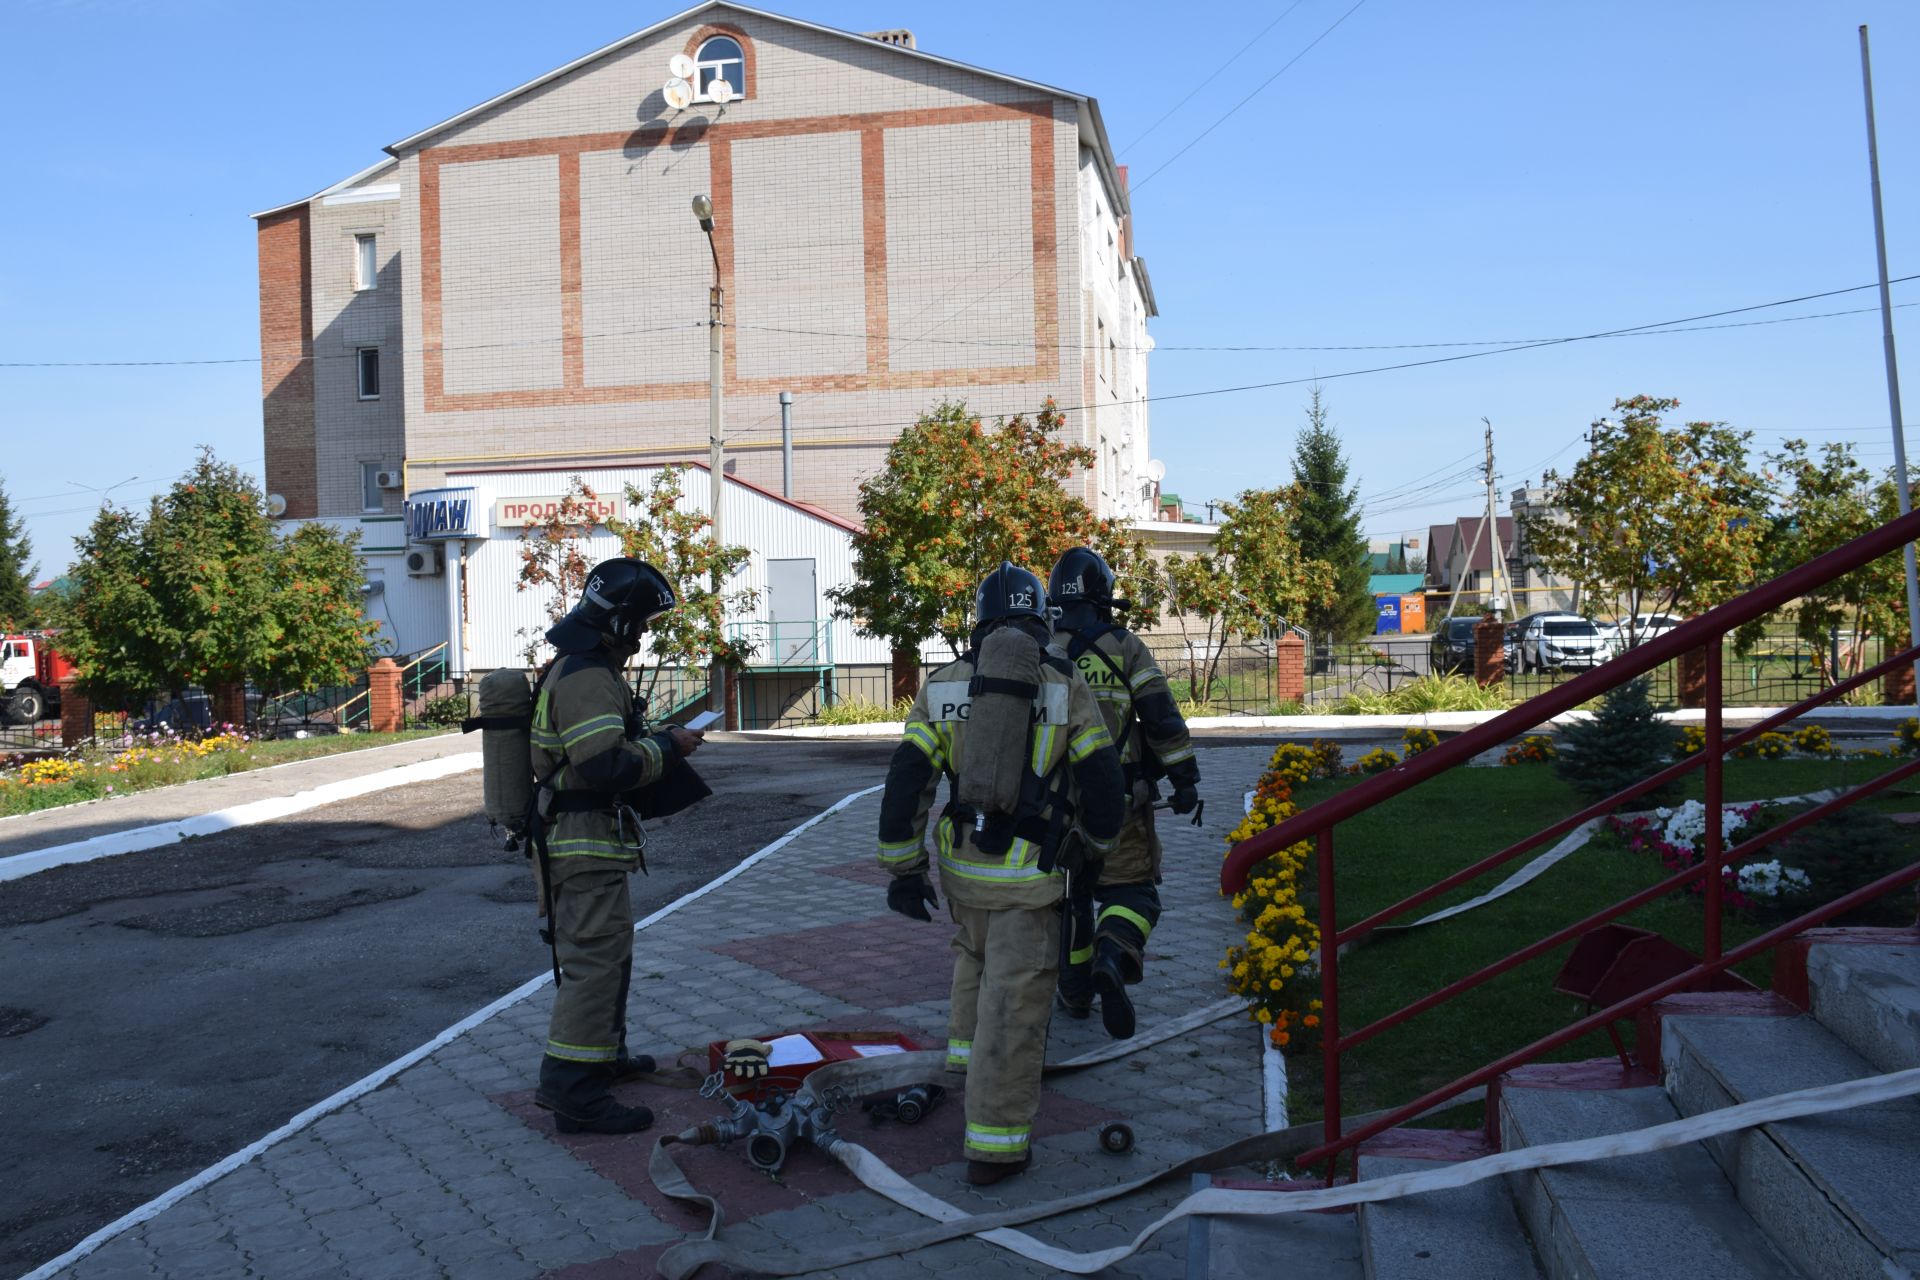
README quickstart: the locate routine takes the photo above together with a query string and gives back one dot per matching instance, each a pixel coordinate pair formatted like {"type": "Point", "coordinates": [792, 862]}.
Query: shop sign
{"type": "Point", "coordinates": [518, 513]}
{"type": "Point", "coordinates": [435, 514]}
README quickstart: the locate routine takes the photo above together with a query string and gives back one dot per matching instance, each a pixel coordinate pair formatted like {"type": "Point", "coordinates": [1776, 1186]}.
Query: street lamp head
{"type": "Point", "coordinates": [703, 210]}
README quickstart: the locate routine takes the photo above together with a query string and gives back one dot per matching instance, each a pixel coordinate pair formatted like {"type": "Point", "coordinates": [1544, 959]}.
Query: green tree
{"type": "Point", "coordinates": [1655, 519]}
{"type": "Point", "coordinates": [204, 592]}
{"type": "Point", "coordinates": [1326, 527]}
{"type": "Point", "coordinates": [1827, 499]}
{"type": "Point", "coordinates": [1624, 742]}
{"type": "Point", "coordinates": [679, 543]}
{"type": "Point", "coordinates": [553, 559]}
{"type": "Point", "coordinates": [16, 568]}
{"type": "Point", "coordinates": [1255, 580]}
{"type": "Point", "coordinates": [955, 499]}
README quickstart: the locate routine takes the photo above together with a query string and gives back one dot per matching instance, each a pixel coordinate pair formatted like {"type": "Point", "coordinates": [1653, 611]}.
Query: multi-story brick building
{"type": "Point", "coordinates": [524, 284]}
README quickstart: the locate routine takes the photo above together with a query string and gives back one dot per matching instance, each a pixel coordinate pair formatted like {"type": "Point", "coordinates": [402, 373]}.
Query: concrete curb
{"type": "Point", "coordinates": [157, 834]}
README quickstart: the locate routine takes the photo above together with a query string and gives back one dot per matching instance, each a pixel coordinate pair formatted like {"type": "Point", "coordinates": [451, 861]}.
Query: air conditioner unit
{"type": "Point", "coordinates": [425, 560]}
{"type": "Point", "coordinates": [389, 479]}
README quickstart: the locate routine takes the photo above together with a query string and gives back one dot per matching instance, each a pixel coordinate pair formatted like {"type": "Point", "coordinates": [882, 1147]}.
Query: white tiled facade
{"type": "Point", "coordinates": [893, 230]}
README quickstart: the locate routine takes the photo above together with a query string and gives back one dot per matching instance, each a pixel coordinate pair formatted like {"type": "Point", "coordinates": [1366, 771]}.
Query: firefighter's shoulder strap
{"type": "Point", "coordinates": [1089, 640]}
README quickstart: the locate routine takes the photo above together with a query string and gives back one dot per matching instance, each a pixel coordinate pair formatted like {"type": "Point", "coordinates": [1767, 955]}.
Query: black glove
{"type": "Point", "coordinates": [1185, 797]}
{"type": "Point", "coordinates": [911, 895]}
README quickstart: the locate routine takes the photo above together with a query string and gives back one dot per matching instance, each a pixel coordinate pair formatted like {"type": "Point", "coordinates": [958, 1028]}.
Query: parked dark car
{"type": "Point", "coordinates": [1452, 646]}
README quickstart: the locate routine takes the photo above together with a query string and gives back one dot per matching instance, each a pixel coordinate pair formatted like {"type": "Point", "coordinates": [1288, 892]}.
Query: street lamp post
{"type": "Point", "coordinates": [716, 461]}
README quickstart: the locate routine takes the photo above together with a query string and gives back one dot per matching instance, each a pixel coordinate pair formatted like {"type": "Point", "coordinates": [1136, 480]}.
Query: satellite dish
{"type": "Point", "coordinates": [678, 93]}
{"type": "Point", "coordinates": [680, 67]}
{"type": "Point", "coordinates": [1156, 471]}
{"type": "Point", "coordinates": [276, 505]}
{"type": "Point", "coordinates": [720, 91]}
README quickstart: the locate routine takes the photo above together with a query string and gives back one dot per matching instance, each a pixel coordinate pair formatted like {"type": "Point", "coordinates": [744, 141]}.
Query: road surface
{"type": "Point", "coordinates": [163, 1009]}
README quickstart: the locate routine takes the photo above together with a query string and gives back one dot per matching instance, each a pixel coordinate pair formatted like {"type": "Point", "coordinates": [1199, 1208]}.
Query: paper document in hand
{"type": "Point", "coordinates": [701, 722]}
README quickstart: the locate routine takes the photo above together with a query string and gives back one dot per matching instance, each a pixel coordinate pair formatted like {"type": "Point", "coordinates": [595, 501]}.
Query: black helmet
{"type": "Point", "coordinates": [1082, 576]}
{"type": "Point", "coordinates": [1009, 592]}
{"type": "Point", "coordinates": [621, 597]}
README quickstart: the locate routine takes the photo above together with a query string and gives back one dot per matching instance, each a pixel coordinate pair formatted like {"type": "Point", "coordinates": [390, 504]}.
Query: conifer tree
{"type": "Point", "coordinates": [1624, 742]}
{"type": "Point", "coordinates": [1326, 526]}
{"type": "Point", "coordinates": [16, 568]}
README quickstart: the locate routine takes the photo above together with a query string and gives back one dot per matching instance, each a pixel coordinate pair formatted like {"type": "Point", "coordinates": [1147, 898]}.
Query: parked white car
{"type": "Point", "coordinates": [1560, 642]}
{"type": "Point", "coordinates": [1627, 632]}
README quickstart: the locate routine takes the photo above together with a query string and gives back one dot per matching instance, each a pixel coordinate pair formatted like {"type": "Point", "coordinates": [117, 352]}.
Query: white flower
{"type": "Point", "coordinates": [1771, 880]}
{"type": "Point", "coordinates": [1688, 824]}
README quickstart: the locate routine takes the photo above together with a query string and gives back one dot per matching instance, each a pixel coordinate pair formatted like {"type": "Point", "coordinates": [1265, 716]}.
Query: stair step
{"type": "Point", "coordinates": [1870, 998]}
{"type": "Point", "coordinates": [1663, 1213]}
{"type": "Point", "coordinates": [1836, 1192]}
{"type": "Point", "coordinates": [1324, 1245]}
{"type": "Point", "coordinates": [1467, 1233]}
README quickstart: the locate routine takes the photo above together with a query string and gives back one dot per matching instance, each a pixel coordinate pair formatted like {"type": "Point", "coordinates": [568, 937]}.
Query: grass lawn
{"type": "Point", "coordinates": [93, 777]}
{"type": "Point", "coordinates": [1450, 822]}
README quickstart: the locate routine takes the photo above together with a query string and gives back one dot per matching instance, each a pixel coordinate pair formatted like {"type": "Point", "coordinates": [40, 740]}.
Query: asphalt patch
{"type": "Point", "coordinates": [18, 1022]}
{"type": "Point", "coordinates": [260, 908]}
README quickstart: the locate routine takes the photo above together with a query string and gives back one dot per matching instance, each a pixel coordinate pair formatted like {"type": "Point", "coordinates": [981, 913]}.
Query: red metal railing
{"type": "Point", "coordinates": [1708, 631]}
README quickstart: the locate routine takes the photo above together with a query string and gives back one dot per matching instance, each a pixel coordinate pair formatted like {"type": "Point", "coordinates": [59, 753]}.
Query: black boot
{"type": "Point", "coordinates": [1116, 1007]}
{"type": "Point", "coordinates": [614, 1119]}
{"type": "Point", "coordinates": [631, 1067]}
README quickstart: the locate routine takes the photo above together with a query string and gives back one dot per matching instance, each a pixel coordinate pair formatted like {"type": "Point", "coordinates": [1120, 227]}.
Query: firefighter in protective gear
{"type": "Point", "coordinates": [1104, 956]}
{"type": "Point", "coordinates": [586, 754]}
{"type": "Point", "coordinates": [1004, 898]}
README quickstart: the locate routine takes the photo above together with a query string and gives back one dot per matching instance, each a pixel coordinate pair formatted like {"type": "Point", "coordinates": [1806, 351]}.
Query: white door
{"type": "Point", "coordinates": [793, 610]}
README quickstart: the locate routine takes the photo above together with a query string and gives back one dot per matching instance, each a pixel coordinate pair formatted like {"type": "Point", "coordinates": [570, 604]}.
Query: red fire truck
{"type": "Point", "coordinates": [30, 676]}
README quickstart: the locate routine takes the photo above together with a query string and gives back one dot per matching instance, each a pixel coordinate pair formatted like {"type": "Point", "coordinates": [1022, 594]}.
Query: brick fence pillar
{"type": "Point", "coordinates": [1489, 652]}
{"type": "Point", "coordinates": [227, 704]}
{"type": "Point", "coordinates": [385, 706]}
{"type": "Point", "coordinates": [906, 674]}
{"type": "Point", "coordinates": [1290, 669]}
{"type": "Point", "coordinates": [1896, 687]}
{"type": "Point", "coordinates": [76, 714]}
{"type": "Point", "coordinates": [1691, 672]}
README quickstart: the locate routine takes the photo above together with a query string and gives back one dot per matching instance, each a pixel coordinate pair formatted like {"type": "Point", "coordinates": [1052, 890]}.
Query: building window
{"type": "Point", "coordinates": [369, 366]}
{"type": "Point", "coordinates": [371, 499]}
{"type": "Point", "coordinates": [719, 59]}
{"type": "Point", "coordinates": [366, 262]}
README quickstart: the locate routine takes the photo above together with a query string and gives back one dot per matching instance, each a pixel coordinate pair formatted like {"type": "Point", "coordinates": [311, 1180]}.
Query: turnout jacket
{"type": "Point", "coordinates": [1127, 683]}
{"type": "Point", "coordinates": [584, 739]}
{"type": "Point", "coordinates": [1067, 744]}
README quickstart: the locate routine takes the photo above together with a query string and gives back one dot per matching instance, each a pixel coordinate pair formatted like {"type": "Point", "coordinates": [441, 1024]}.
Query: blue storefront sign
{"type": "Point", "coordinates": [1389, 620]}
{"type": "Point", "coordinates": [438, 514]}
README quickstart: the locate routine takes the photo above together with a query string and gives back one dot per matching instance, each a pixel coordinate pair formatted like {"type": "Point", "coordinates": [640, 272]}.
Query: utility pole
{"type": "Point", "coordinates": [1497, 561]}
{"type": "Point", "coordinates": [717, 455]}
{"type": "Point", "coordinates": [1886, 343]}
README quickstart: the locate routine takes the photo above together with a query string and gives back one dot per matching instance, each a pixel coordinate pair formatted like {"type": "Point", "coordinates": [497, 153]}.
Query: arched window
{"type": "Point", "coordinates": [719, 58]}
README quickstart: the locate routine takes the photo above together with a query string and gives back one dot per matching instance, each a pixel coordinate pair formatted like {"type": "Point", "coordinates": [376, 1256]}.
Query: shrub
{"type": "Point", "coordinates": [1414, 741]}
{"type": "Point", "coordinates": [1297, 763]}
{"type": "Point", "coordinates": [1378, 760]}
{"type": "Point", "coordinates": [1276, 965]}
{"type": "Point", "coordinates": [1813, 739]}
{"type": "Point", "coordinates": [860, 711]}
{"type": "Point", "coordinates": [447, 712]}
{"type": "Point", "coordinates": [1535, 748]}
{"type": "Point", "coordinates": [1909, 736]}
{"type": "Point", "coordinates": [1624, 742]}
{"type": "Point", "coordinates": [1428, 693]}
{"type": "Point", "coordinates": [1840, 853]}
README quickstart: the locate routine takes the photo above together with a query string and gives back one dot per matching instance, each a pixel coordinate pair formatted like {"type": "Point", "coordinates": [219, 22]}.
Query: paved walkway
{"type": "Point", "coordinates": [24, 833]}
{"type": "Point", "coordinates": [448, 1169]}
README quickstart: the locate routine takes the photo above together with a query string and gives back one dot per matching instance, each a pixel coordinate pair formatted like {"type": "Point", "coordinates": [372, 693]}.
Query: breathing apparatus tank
{"type": "Point", "coordinates": [506, 749]}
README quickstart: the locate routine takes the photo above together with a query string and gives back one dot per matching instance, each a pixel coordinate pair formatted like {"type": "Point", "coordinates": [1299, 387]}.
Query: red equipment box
{"type": "Point", "coordinates": [798, 1054]}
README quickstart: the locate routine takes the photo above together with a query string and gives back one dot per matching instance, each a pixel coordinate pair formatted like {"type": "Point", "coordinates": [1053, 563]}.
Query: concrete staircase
{"type": "Point", "coordinates": [1833, 1197]}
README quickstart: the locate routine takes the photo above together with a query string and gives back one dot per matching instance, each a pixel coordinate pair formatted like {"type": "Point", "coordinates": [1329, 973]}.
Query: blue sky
{"type": "Point", "coordinates": [1426, 174]}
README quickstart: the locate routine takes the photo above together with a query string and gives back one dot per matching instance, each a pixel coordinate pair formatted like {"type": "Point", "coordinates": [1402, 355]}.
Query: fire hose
{"type": "Point", "coordinates": [901, 1070]}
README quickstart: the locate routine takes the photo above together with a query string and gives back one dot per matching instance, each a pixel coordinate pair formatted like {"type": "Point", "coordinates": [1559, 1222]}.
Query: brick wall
{"type": "Point", "coordinates": [286, 358]}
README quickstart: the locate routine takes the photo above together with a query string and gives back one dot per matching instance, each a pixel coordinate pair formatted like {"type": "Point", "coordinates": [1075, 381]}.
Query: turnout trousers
{"type": "Point", "coordinates": [1125, 887]}
{"type": "Point", "coordinates": [592, 920]}
{"type": "Point", "coordinates": [1005, 964]}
